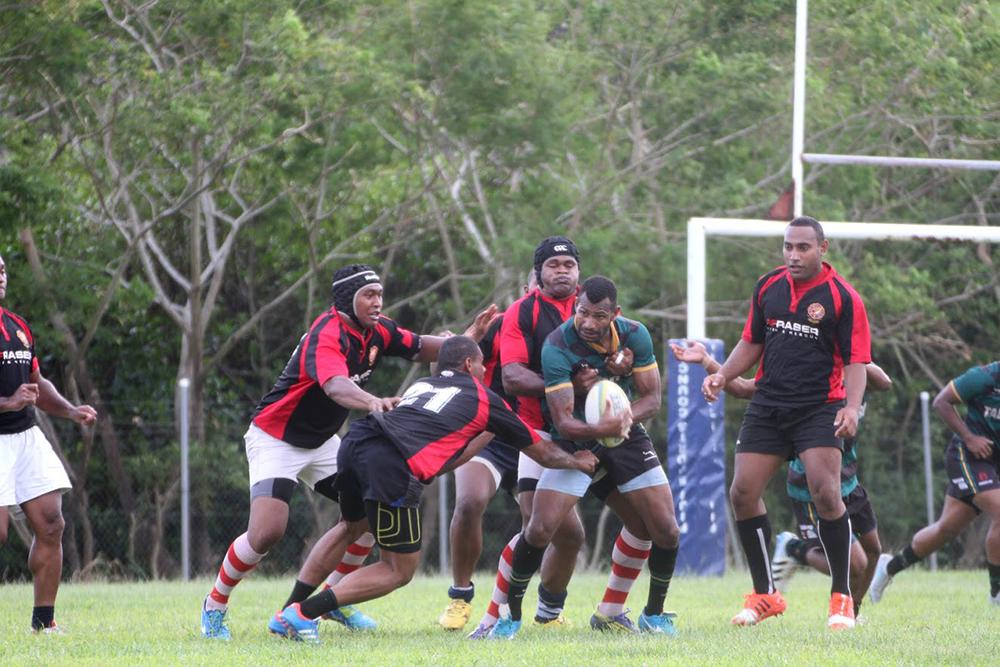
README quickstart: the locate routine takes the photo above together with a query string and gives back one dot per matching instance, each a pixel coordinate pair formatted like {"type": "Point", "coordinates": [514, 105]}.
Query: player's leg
{"type": "Point", "coordinates": [956, 515]}
{"type": "Point", "coordinates": [628, 557]}
{"type": "Point", "coordinates": [476, 483]}
{"type": "Point", "coordinates": [871, 546]}
{"type": "Point", "coordinates": [989, 503]}
{"type": "Point", "coordinates": [44, 515]}
{"type": "Point", "coordinates": [4, 524]}
{"type": "Point", "coordinates": [556, 496]}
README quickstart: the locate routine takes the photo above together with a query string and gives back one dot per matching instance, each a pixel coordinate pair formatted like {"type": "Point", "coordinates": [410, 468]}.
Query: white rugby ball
{"type": "Point", "coordinates": [597, 401]}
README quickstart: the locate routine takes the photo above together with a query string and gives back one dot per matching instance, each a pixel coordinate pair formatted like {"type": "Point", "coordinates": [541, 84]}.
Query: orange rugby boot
{"type": "Point", "coordinates": [758, 606]}
{"type": "Point", "coordinates": [841, 612]}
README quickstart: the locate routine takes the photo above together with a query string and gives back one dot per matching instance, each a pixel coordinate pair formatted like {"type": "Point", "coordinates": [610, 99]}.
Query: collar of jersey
{"type": "Point", "coordinates": [363, 336]}
{"type": "Point", "coordinates": [558, 302]}
{"type": "Point", "coordinates": [824, 274]}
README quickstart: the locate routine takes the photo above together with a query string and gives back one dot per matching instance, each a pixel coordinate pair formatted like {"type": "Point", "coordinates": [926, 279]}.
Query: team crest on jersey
{"type": "Point", "coordinates": [21, 336]}
{"type": "Point", "coordinates": [372, 356]}
{"type": "Point", "coordinates": [815, 312]}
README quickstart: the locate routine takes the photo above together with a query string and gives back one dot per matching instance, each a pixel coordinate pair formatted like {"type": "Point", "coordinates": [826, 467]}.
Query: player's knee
{"type": "Point", "coordinates": [51, 528]}
{"type": "Point", "coordinates": [262, 538]}
{"type": "Point", "coordinates": [469, 509]}
{"type": "Point", "coordinates": [859, 563]}
{"type": "Point", "coordinates": [539, 534]}
{"type": "Point", "coordinates": [828, 500]}
{"type": "Point", "coordinates": [741, 496]}
{"type": "Point", "coordinates": [568, 536]}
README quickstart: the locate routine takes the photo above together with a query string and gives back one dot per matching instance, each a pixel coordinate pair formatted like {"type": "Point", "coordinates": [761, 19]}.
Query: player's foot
{"type": "Point", "coordinates": [213, 624]}
{"type": "Point", "coordinates": [841, 612]}
{"type": "Point", "coordinates": [658, 624]}
{"type": "Point", "coordinates": [505, 628]}
{"type": "Point", "coordinates": [758, 606]}
{"type": "Point", "coordinates": [880, 579]}
{"type": "Point", "coordinates": [482, 631]}
{"type": "Point", "coordinates": [782, 564]}
{"type": "Point", "coordinates": [995, 599]}
{"type": "Point", "coordinates": [456, 615]}
{"type": "Point", "coordinates": [618, 624]}
{"type": "Point", "coordinates": [291, 624]}
{"type": "Point", "coordinates": [50, 629]}
{"type": "Point", "coordinates": [352, 618]}
{"type": "Point", "coordinates": [560, 622]}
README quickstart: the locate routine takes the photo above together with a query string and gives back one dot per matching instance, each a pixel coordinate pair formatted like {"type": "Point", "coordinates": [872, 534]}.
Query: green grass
{"type": "Point", "coordinates": [925, 619]}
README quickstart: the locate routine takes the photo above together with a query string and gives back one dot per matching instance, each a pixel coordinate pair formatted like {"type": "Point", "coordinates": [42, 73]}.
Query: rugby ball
{"type": "Point", "coordinates": [597, 401]}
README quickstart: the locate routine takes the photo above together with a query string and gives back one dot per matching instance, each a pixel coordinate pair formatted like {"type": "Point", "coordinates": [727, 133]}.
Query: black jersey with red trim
{"type": "Point", "coordinates": [810, 331]}
{"type": "Point", "coordinates": [17, 347]}
{"type": "Point", "coordinates": [297, 410]}
{"type": "Point", "coordinates": [526, 325]}
{"type": "Point", "coordinates": [438, 416]}
{"type": "Point", "coordinates": [490, 347]}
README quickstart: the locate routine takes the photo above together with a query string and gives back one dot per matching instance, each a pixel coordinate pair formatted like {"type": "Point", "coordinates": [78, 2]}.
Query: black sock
{"type": "Point", "coordinates": [524, 563]}
{"type": "Point", "coordinates": [755, 536]}
{"type": "Point", "coordinates": [550, 604]}
{"type": "Point", "coordinates": [42, 617]}
{"type": "Point", "coordinates": [465, 593]}
{"type": "Point", "coordinates": [902, 560]}
{"type": "Point", "coordinates": [319, 604]}
{"type": "Point", "coordinates": [300, 592]}
{"type": "Point", "coordinates": [857, 606]}
{"type": "Point", "coordinates": [798, 549]}
{"type": "Point", "coordinates": [994, 578]}
{"type": "Point", "coordinates": [661, 571]}
{"type": "Point", "coordinates": [836, 538]}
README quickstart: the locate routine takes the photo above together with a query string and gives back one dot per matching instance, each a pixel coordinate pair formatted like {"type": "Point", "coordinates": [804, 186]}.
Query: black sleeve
{"type": "Point", "coordinates": [507, 426]}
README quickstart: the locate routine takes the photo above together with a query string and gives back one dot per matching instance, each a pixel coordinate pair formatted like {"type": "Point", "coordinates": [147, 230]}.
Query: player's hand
{"type": "Point", "coordinates": [383, 404]}
{"type": "Point", "coordinates": [586, 461]}
{"type": "Point", "coordinates": [23, 396]}
{"type": "Point", "coordinates": [612, 425]}
{"type": "Point", "coordinates": [84, 415]}
{"type": "Point", "coordinates": [620, 363]}
{"type": "Point", "coordinates": [846, 422]}
{"type": "Point", "coordinates": [979, 446]}
{"type": "Point", "coordinates": [583, 380]}
{"type": "Point", "coordinates": [712, 385]}
{"type": "Point", "coordinates": [692, 352]}
{"type": "Point", "coordinates": [483, 320]}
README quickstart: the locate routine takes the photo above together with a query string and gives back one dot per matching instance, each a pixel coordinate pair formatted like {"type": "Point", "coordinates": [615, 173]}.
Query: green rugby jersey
{"type": "Point", "coordinates": [564, 353]}
{"type": "Point", "coordinates": [979, 389]}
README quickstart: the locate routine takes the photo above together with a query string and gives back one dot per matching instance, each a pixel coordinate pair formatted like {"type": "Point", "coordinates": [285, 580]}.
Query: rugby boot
{"type": "Point", "coordinates": [658, 624]}
{"type": "Point", "coordinates": [456, 615]}
{"type": "Point", "coordinates": [758, 606]}
{"type": "Point", "coordinates": [351, 618]}
{"type": "Point", "coordinates": [881, 579]}
{"type": "Point", "coordinates": [841, 612]}
{"type": "Point", "coordinates": [782, 564]}
{"type": "Point", "coordinates": [213, 624]}
{"type": "Point", "coordinates": [617, 624]}
{"type": "Point", "coordinates": [560, 622]}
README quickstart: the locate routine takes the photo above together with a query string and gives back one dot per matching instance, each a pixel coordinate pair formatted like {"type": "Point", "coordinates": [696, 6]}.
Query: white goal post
{"type": "Point", "coordinates": [699, 229]}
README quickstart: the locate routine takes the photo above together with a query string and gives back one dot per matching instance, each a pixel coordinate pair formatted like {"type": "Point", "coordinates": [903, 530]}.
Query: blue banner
{"type": "Point", "coordinates": [696, 464]}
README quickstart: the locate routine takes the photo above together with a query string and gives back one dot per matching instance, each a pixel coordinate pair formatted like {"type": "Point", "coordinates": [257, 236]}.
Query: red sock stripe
{"type": "Point", "coordinates": [503, 585]}
{"type": "Point", "coordinates": [629, 550]}
{"type": "Point", "coordinates": [507, 555]}
{"type": "Point", "coordinates": [344, 568]}
{"type": "Point", "coordinates": [615, 597]}
{"type": "Point", "coordinates": [219, 597]}
{"type": "Point", "coordinates": [358, 550]}
{"type": "Point", "coordinates": [493, 610]}
{"type": "Point", "coordinates": [625, 572]}
{"type": "Point", "coordinates": [237, 563]}
{"type": "Point", "coordinates": [226, 579]}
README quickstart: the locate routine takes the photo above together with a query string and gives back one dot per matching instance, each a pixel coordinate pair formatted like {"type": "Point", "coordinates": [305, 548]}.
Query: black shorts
{"type": "Point", "coordinates": [968, 475]}
{"type": "Point", "coordinates": [503, 458]}
{"type": "Point", "coordinates": [859, 509]}
{"type": "Point", "coordinates": [786, 432]}
{"type": "Point", "coordinates": [374, 482]}
{"type": "Point", "coordinates": [619, 465]}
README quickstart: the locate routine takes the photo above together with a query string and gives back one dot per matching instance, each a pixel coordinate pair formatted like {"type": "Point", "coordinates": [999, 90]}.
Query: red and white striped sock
{"type": "Point", "coordinates": [353, 558]}
{"type": "Point", "coordinates": [240, 561]}
{"type": "Point", "coordinates": [627, 558]}
{"type": "Point", "coordinates": [502, 584]}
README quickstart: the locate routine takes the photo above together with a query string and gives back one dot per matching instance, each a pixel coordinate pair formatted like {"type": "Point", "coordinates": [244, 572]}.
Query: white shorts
{"type": "Point", "coordinates": [270, 458]}
{"type": "Point", "coordinates": [492, 469]}
{"type": "Point", "coordinates": [527, 467]}
{"type": "Point", "coordinates": [29, 468]}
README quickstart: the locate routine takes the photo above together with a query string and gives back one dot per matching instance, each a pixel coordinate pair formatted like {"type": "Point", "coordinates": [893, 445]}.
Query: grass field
{"type": "Point", "coordinates": [925, 619]}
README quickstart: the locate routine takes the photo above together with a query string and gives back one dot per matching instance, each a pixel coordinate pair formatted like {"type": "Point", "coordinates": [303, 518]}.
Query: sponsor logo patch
{"type": "Point", "coordinates": [372, 355]}
{"type": "Point", "coordinates": [815, 312]}
{"type": "Point", "coordinates": [21, 336]}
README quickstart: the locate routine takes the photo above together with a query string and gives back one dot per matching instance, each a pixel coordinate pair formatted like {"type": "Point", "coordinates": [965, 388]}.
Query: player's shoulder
{"type": "Point", "coordinates": [771, 277]}
{"type": "Point", "coordinates": [844, 286]}
{"type": "Point", "coordinates": [16, 319]}
{"type": "Point", "coordinates": [628, 326]}
{"type": "Point", "coordinates": [562, 336]}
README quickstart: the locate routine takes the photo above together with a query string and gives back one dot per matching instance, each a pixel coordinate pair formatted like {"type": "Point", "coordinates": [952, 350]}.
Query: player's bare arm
{"type": "Point", "coordinates": [23, 396]}
{"type": "Point", "coordinates": [694, 352]}
{"type": "Point", "coordinates": [855, 380]}
{"type": "Point", "coordinates": [945, 405]}
{"type": "Point", "coordinates": [878, 379]}
{"type": "Point", "coordinates": [51, 401]}
{"type": "Point", "coordinates": [561, 408]}
{"type": "Point", "coordinates": [519, 380]}
{"type": "Point", "coordinates": [476, 445]}
{"type": "Point", "coordinates": [742, 359]}
{"type": "Point", "coordinates": [552, 455]}
{"type": "Point", "coordinates": [342, 390]}
{"type": "Point", "coordinates": [647, 384]}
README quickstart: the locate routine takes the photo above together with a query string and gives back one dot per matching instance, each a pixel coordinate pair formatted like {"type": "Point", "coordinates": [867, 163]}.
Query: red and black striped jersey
{"type": "Point", "coordinates": [17, 346]}
{"type": "Point", "coordinates": [810, 331]}
{"type": "Point", "coordinates": [490, 347]}
{"type": "Point", "coordinates": [297, 410]}
{"type": "Point", "coordinates": [438, 416]}
{"type": "Point", "coordinates": [526, 325]}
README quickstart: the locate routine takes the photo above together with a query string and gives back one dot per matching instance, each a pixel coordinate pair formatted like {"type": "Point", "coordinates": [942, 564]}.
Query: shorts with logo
{"type": "Point", "coordinates": [786, 432]}
{"type": "Point", "coordinates": [631, 466]}
{"type": "Point", "coordinates": [375, 482]}
{"type": "Point", "coordinates": [275, 465]}
{"type": "Point", "coordinates": [859, 509]}
{"type": "Point", "coordinates": [29, 468]}
{"type": "Point", "coordinates": [501, 460]}
{"type": "Point", "coordinates": [968, 475]}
